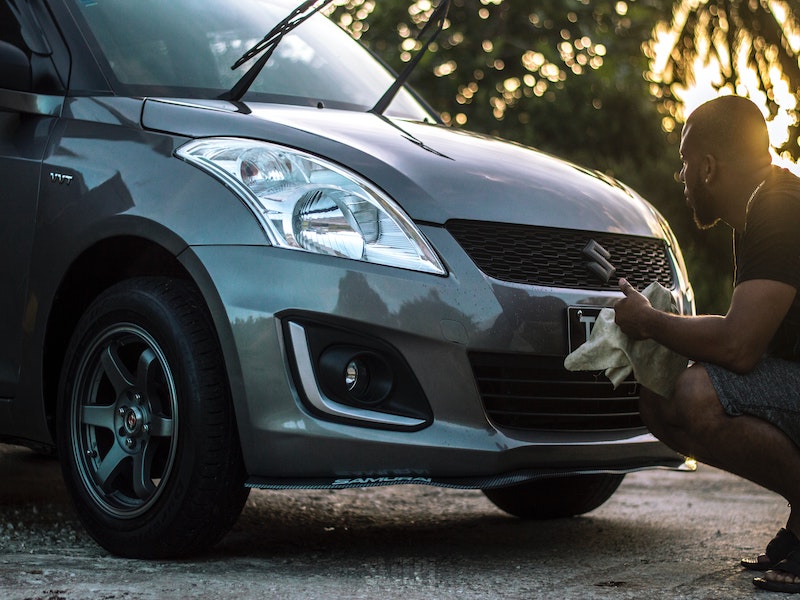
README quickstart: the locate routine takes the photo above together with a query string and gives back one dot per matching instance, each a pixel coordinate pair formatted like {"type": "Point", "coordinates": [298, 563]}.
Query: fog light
{"type": "Point", "coordinates": [356, 377]}
{"type": "Point", "coordinates": [351, 375]}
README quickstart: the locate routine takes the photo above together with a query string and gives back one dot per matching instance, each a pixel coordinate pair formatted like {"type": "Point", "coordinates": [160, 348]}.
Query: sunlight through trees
{"type": "Point", "coordinates": [744, 47]}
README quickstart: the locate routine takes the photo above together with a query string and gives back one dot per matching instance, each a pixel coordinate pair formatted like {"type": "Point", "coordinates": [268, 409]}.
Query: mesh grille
{"type": "Point", "coordinates": [553, 257]}
{"type": "Point", "coordinates": [538, 393]}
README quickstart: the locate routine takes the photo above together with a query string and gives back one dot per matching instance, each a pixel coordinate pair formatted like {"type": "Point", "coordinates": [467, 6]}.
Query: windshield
{"type": "Point", "coordinates": [186, 48]}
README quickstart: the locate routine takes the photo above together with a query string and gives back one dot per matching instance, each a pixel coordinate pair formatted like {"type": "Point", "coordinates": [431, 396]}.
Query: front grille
{"type": "Point", "coordinates": [538, 393]}
{"type": "Point", "coordinates": [553, 257]}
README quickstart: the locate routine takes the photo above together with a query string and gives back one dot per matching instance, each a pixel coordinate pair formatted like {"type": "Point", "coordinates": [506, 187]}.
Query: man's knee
{"type": "Point", "coordinates": [694, 398]}
{"type": "Point", "coordinates": [687, 413]}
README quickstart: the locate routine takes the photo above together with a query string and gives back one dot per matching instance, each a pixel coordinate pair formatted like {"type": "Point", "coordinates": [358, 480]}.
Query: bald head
{"type": "Point", "coordinates": [731, 128]}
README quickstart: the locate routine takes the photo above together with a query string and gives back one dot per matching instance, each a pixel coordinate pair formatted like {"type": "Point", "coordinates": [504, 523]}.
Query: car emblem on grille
{"type": "Point", "coordinates": [598, 261]}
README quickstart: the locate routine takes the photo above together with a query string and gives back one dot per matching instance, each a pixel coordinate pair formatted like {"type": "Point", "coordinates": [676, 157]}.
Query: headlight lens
{"type": "Point", "coordinates": [307, 203]}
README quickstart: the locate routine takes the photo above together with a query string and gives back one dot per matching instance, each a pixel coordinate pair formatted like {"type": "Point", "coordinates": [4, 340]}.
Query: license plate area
{"type": "Point", "coordinates": [580, 321]}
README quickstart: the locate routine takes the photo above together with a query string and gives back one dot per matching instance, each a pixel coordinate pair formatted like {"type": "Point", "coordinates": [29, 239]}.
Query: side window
{"type": "Point", "coordinates": [10, 31]}
{"type": "Point", "coordinates": [26, 52]}
{"type": "Point", "coordinates": [15, 64]}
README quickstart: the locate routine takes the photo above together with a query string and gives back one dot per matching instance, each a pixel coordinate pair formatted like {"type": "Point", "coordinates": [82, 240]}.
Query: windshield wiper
{"type": "Point", "coordinates": [267, 46]}
{"type": "Point", "coordinates": [437, 20]}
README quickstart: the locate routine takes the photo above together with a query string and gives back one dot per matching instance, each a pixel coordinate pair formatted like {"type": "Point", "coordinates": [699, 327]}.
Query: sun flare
{"type": "Point", "coordinates": [693, 58]}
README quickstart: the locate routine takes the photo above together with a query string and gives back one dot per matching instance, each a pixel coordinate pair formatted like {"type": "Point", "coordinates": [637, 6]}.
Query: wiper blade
{"type": "Point", "coordinates": [267, 46]}
{"type": "Point", "coordinates": [437, 20]}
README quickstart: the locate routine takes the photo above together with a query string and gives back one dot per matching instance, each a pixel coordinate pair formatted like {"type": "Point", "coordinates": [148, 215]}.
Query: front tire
{"type": "Point", "coordinates": [146, 431]}
{"type": "Point", "coordinates": [555, 497]}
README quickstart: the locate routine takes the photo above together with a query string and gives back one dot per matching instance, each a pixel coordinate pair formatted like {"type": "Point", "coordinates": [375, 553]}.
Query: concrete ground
{"type": "Point", "coordinates": [663, 534]}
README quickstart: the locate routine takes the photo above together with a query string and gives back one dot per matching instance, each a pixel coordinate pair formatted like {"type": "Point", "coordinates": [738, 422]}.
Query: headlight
{"type": "Point", "coordinates": [306, 203]}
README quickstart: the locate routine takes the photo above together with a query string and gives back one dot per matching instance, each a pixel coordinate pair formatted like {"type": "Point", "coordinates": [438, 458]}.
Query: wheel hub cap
{"type": "Point", "coordinates": [133, 420]}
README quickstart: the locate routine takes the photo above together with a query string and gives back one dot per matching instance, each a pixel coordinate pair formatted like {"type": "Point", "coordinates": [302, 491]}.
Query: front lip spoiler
{"type": "Point", "coordinates": [461, 483]}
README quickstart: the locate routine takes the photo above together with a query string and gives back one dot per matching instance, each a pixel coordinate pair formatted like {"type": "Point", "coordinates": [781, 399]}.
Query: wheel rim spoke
{"type": "Point", "coordinates": [98, 416]}
{"type": "Point", "coordinates": [161, 427]}
{"type": "Point", "coordinates": [148, 371]}
{"type": "Point", "coordinates": [144, 368]}
{"type": "Point", "coordinates": [143, 486]}
{"type": "Point", "coordinates": [115, 370]}
{"type": "Point", "coordinates": [110, 466]}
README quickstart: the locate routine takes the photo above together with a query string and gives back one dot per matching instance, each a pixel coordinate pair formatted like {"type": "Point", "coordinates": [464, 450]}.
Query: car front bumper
{"type": "Point", "coordinates": [266, 302]}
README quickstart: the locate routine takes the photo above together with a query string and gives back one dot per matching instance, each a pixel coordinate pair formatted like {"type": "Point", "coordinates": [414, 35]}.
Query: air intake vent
{"type": "Point", "coordinates": [553, 257]}
{"type": "Point", "coordinates": [538, 393]}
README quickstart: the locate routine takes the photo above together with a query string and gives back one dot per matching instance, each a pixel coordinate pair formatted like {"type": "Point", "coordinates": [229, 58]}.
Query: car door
{"type": "Point", "coordinates": [31, 96]}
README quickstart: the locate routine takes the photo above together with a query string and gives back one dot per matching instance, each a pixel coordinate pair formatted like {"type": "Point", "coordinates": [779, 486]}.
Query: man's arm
{"type": "Point", "coordinates": [736, 341]}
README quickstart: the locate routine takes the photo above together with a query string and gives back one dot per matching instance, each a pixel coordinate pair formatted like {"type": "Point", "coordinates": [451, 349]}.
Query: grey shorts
{"type": "Point", "coordinates": [771, 392]}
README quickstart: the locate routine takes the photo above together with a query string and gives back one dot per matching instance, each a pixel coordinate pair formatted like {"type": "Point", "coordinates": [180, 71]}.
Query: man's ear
{"type": "Point", "coordinates": [709, 168]}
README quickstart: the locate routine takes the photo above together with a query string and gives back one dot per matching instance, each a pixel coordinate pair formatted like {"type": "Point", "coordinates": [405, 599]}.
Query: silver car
{"type": "Point", "coordinates": [292, 275]}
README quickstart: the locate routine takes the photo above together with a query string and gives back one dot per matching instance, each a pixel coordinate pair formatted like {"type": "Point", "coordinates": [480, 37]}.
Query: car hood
{"type": "Point", "coordinates": [435, 173]}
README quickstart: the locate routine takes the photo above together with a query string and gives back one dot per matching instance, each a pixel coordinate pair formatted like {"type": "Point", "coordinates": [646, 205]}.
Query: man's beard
{"type": "Point", "coordinates": [703, 204]}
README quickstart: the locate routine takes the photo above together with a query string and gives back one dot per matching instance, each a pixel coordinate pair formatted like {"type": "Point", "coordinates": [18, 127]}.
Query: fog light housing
{"type": "Point", "coordinates": [355, 375]}
{"type": "Point", "coordinates": [348, 376]}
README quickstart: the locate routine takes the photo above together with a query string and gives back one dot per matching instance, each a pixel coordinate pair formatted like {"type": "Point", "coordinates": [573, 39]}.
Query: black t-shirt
{"type": "Point", "coordinates": [769, 248]}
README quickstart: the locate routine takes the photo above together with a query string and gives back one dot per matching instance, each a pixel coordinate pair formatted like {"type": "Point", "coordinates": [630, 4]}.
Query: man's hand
{"type": "Point", "coordinates": [631, 312]}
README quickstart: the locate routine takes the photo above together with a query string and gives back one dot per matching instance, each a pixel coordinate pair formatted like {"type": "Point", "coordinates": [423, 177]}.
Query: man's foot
{"type": "Point", "coordinates": [785, 577]}
{"type": "Point", "coordinates": [779, 548]}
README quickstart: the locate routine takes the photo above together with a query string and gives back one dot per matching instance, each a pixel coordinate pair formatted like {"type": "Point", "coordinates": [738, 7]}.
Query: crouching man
{"type": "Point", "coordinates": [738, 406]}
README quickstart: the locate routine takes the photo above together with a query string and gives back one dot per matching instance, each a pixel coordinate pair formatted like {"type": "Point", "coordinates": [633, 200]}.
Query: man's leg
{"type": "Point", "coordinates": [694, 423]}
